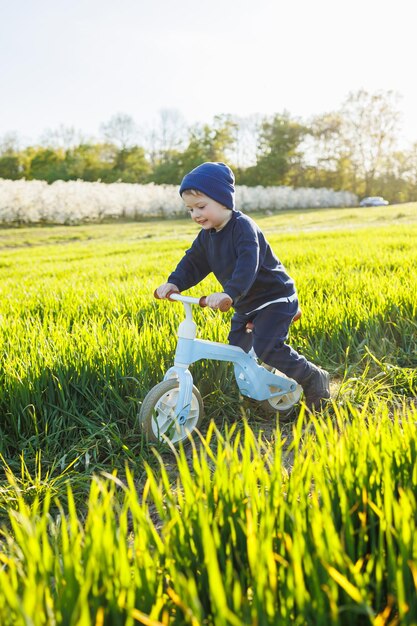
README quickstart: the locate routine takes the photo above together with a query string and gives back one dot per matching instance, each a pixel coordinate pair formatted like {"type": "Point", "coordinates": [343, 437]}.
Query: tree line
{"type": "Point", "coordinates": [354, 149]}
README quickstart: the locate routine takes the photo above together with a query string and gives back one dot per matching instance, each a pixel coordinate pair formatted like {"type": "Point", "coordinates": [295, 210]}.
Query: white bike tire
{"type": "Point", "coordinates": [285, 403]}
{"type": "Point", "coordinates": [157, 414]}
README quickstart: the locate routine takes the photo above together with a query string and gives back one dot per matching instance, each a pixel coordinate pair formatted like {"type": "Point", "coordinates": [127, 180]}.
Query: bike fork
{"type": "Point", "coordinates": [185, 391]}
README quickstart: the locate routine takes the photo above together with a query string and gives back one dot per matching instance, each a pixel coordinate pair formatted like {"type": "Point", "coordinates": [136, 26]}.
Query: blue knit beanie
{"type": "Point", "coordinates": [215, 180]}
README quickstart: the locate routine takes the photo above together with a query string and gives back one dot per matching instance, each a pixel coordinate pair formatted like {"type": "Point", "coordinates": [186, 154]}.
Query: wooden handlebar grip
{"type": "Point", "coordinates": [155, 295]}
{"type": "Point", "coordinates": [223, 307]}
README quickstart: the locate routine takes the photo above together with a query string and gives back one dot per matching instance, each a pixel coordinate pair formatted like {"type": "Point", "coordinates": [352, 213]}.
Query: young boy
{"type": "Point", "coordinates": [254, 281]}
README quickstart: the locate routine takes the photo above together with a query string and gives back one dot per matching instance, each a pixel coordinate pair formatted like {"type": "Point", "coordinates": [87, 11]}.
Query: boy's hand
{"type": "Point", "coordinates": [165, 289]}
{"type": "Point", "coordinates": [220, 301]}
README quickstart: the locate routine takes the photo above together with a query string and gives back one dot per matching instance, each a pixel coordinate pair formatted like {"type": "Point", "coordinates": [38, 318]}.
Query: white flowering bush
{"type": "Point", "coordinates": [74, 202]}
{"type": "Point", "coordinates": [276, 198]}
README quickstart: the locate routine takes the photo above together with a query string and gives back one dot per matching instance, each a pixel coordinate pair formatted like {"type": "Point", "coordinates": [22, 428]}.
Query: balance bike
{"type": "Point", "coordinates": [173, 409]}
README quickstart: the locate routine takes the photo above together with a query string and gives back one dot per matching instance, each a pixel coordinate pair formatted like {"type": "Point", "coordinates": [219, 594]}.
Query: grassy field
{"type": "Point", "coordinates": [314, 523]}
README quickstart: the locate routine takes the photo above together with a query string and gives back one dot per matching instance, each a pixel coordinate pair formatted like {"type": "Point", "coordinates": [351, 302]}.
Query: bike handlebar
{"type": "Point", "coordinates": [176, 296]}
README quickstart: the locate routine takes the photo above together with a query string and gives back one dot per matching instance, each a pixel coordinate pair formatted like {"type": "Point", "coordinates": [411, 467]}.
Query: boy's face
{"type": "Point", "coordinates": [206, 212]}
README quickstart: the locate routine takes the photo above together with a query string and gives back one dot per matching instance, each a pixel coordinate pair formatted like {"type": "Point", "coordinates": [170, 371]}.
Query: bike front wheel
{"type": "Point", "coordinates": [157, 415]}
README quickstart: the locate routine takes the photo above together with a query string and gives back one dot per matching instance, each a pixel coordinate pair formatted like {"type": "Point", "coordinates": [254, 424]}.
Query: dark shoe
{"type": "Point", "coordinates": [316, 389]}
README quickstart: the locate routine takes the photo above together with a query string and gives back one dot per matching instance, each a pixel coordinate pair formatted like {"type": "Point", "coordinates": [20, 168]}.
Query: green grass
{"type": "Point", "coordinates": [237, 539]}
{"type": "Point", "coordinates": [315, 524]}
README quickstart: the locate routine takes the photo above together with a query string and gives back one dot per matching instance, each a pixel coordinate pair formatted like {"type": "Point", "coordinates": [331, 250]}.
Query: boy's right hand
{"type": "Point", "coordinates": [165, 289]}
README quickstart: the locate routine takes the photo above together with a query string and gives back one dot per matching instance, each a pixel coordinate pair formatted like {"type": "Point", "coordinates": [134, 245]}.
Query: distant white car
{"type": "Point", "coordinates": [373, 201]}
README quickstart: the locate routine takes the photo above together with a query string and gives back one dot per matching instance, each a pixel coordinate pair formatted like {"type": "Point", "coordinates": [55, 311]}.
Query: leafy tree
{"type": "Point", "coordinates": [130, 166]}
{"type": "Point", "coordinates": [410, 158]}
{"type": "Point", "coordinates": [324, 148]}
{"type": "Point", "coordinates": [209, 143]}
{"type": "Point", "coordinates": [169, 169]}
{"type": "Point", "coordinates": [398, 182]}
{"type": "Point", "coordinates": [107, 163]}
{"type": "Point", "coordinates": [369, 132]}
{"type": "Point", "coordinates": [10, 167]}
{"type": "Point", "coordinates": [279, 152]}
{"type": "Point", "coordinates": [205, 143]}
{"type": "Point", "coordinates": [327, 161]}
{"type": "Point", "coordinates": [47, 164]}
{"type": "Point", "coordinates": [89, 162]}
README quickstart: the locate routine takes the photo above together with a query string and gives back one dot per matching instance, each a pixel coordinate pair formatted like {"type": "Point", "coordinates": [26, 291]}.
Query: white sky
{"type": "Point", "coordinates": [78, 62]}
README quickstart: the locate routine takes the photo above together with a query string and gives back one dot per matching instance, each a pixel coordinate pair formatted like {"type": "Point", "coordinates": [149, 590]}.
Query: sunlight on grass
{"type": "Point", "coordinates": [310, 523]}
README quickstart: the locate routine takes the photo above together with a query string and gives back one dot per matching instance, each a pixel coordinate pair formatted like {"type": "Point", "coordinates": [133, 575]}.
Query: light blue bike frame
{"type": "Point", "coordinates": [254, 381]}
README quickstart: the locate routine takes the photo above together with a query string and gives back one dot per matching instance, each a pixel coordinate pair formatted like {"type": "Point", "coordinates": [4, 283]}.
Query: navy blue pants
{"type": "Point", "coordinates": [271, 326]}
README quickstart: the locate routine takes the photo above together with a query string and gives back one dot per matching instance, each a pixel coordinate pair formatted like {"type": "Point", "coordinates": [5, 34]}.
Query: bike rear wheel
{"type": "Point", "coordinates": [284, 405]}
{"type": "Point", "coordinates": [157, 415]}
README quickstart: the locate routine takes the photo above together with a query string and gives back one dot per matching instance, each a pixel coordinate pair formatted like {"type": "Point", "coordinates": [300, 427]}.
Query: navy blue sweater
{"type": "Point", "coordinates": [242, 261]}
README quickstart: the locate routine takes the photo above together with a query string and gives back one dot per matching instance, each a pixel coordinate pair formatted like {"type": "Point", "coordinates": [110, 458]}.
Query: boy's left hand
{"type": "Point", "coordinates": [219, 301]}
